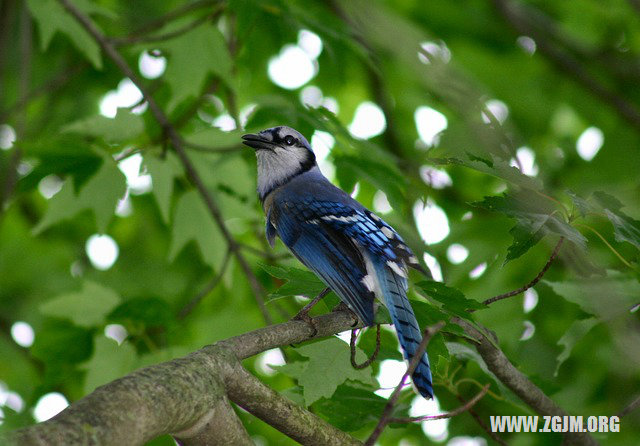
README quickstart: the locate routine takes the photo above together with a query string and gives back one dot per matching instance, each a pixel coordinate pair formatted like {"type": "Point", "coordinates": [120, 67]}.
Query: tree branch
{"type": "Point", "coordinates": [265, 403]}
{"type": "Point", "coordinates": [633, 405]}
{"type": "Point", "coordinates": [220, 427]}
{"type": "Point", "coordinates": [518, 383]}
{"type": "Point", "coordinates": [178, 396]}
{"type": "Point", "coordinates": [178, 145]}
{"type": "Point", "coordinates": [482, 424]}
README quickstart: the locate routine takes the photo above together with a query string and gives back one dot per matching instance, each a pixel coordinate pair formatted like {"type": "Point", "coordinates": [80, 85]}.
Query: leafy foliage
{"type": "Point", "coordinates": [503, 100]}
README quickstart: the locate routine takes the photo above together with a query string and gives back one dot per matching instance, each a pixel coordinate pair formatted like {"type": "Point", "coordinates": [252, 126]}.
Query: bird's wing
{"type": "Point", "coordinates": [355, 252]}
{"type": "Point", "coordinates": [331, 254]}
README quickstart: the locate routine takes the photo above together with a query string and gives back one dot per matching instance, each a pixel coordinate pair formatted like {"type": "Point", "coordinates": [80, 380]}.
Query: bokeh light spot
{"type": "Point", "coordinates": [478, 271]}
{"type": "Point", "coordinates": [151, 67]}
{"type": "Point", "coordinates": [434, 266]}
{"type": "Point", "coordinates": [292, 68]}
{"type": "Point", "coordinates": [102, 251]}
{"type": "Point", "coordinates": [23, 334]}
{"type": "Point", "coordinates": [430, 123]}
{"type": "Point", "coordinates": [530, 300]}
{"type": "Point", "coordinates": [368, 121]}
{"type": "Point", "coordinates": [589, 143]}
{"type": "Point", "coordinates": [7, 136]}
{"type": "Point", "coordinates": [457, 253]}
{"type": "Point", "coordinates": [49, 405]}
{"type": "Point", "coordinates": [431, 221]}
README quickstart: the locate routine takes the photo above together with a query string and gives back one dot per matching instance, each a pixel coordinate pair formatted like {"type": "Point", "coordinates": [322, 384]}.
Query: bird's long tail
{"type": "Point", "coordinates": [394, 289]}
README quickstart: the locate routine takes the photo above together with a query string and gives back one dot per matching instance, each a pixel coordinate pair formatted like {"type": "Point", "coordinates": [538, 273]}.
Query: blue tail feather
{"type": "Point", "coordinates": [394, 291]}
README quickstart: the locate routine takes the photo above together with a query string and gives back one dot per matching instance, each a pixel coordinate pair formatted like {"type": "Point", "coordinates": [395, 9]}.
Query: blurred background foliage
{"type": "Point", "coordinates": [482, 130]}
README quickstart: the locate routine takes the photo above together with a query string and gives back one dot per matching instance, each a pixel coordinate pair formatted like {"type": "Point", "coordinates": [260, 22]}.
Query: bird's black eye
{"type": "Point", "coordinates": [290, 140]}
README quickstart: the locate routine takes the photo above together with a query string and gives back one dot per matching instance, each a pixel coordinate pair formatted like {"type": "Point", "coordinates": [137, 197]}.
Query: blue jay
{"type": "Point", "coordinates": [351, 249]}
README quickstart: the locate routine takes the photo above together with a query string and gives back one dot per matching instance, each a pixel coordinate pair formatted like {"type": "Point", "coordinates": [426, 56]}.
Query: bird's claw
{"type": "Point", "coordinates": [303, 315]}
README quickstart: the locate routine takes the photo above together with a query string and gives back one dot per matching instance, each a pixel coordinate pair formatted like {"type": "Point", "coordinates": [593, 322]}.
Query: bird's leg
{"type": "Point", "coordinates": [344, 307]}
{"type": "Point", "coordinates": [303, 315]}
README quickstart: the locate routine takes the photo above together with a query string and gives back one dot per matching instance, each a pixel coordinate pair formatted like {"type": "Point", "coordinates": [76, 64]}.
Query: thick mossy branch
{"type": "Point", "coordinates": [179, 396]}
{"type": "Point", "coordinates": [187, 397]}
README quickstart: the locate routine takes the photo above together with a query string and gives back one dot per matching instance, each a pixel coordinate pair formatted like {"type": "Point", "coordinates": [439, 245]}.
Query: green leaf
{"type": "Point", "coordinates": [62, 206]}
{"type": "Point", "coordinates": [465, 353]}
{"type": "Point", "coordinates": [192, 57]}
{"type": "Point", "coordinates": [351, 408]}
{"type": "Point", "coordinates": [583, 206]}
{"type": "Point", "coordinates": [571, 337]}
{"type": "Point", "coordinates": [607, 201]}
{"type": "Point", "coordinates": [525, 236]}
{"type": "Point", "coordinates": [381, 176]}
{"type": "Point", "coordinates": [148, 311]}
{"type": "Point", "coordinates": [606, 297]}
{"type": "Point", "coordinates": [60, 342]}
{"type": "Point", "coordinates": [214, 138]}
{"type": "Point", "coordinates": [125, 126]}
{"type": "Point", "coordinates": [163, 174]}
{"type": "Point", "coordinates": [626, 229]}
{"type": "Point", "coordinates": [495, 167]}
{"type": "Point", "coordinates": [109, 362]}
{"type": "Point", "coordinates": [100, 194]}
{"type": "Point", "coordinates": [86, 308]}
{"type": "Point", "coordinates": [192, 221]}
{"type": "Point", "coordinates": [328, 367]}
{"type": "Point", "coordinates": [452, 299]}
{"type": "Point", "coordinates": [51, 18]}
{"type": "Point", "coordinates": [299, 282]}
{"type": "Point", "coordinates": [535, 218]}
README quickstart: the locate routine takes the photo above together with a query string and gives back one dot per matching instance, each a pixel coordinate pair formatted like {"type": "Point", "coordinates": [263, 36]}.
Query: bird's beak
{"type": "Point", "coordinates": [256, 142]}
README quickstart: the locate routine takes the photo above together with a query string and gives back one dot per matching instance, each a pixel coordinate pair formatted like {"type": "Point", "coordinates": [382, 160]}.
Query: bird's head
{"type": "Point", "coordinates": [283, 153]}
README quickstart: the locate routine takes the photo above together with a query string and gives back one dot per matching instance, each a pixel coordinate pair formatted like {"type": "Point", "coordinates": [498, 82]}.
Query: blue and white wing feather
{"type": "Point", "coordinates": [360, 257]}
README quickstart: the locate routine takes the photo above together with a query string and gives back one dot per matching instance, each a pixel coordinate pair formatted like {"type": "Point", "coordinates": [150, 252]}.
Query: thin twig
{"type": "Point", "coordinates": [372, 358]}
{"type": "Point", "coordinates": [304, 313]}
{"type": "Point", "coordinates": [207, 289]}
{"type": "Point", "coordinates": [178, 145]}
{"type": "Point", "coordinates": [630, 408]}
{"type": "Point", "coordinates": [393, 399]}
{"type": "Point", "coordinates": [128, 40]}
{"type": "Point", "coordinates": [482, 424]}
{"type": "Point", "coordinates": [168, 17]}
{"type": "Point", "coordinates": [465, 407]}
{"type": "Point", "coordinates": [535, 280]}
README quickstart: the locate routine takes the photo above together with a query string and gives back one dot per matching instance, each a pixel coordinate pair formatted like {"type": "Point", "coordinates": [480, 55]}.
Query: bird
{"type": "Point", "coordinates": [351, 249]}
